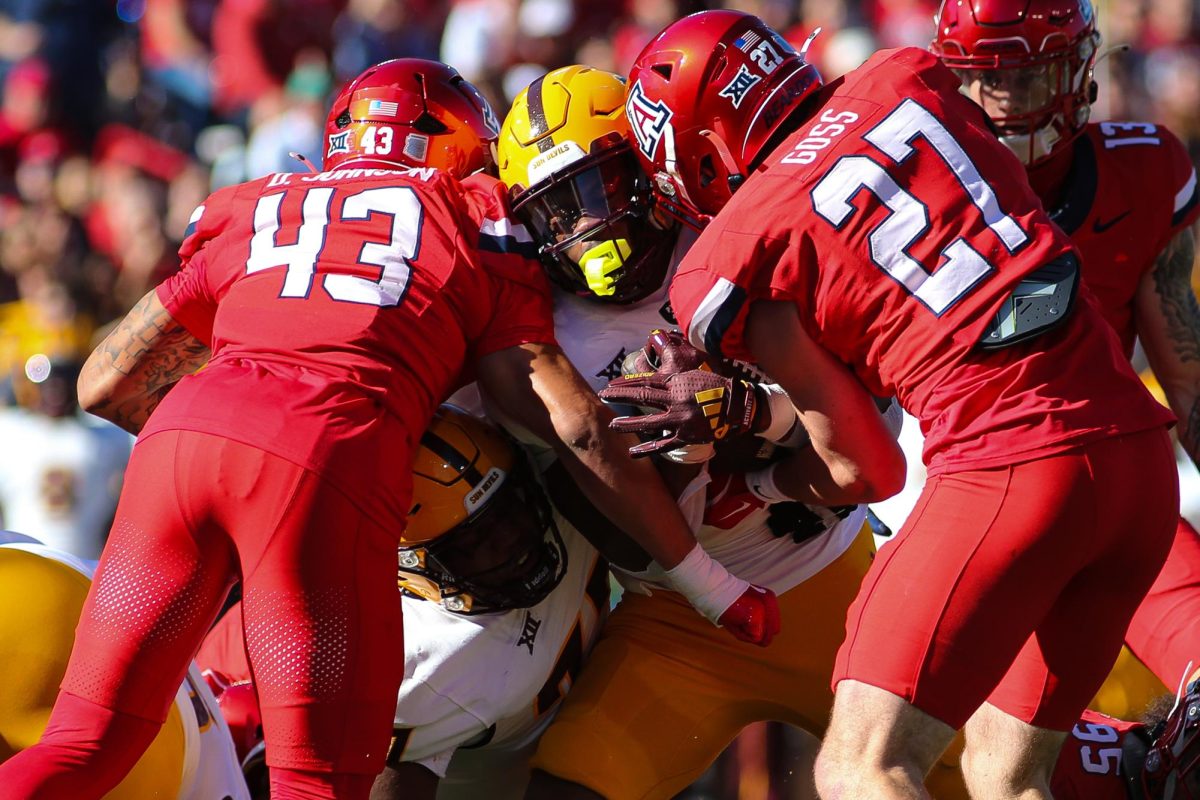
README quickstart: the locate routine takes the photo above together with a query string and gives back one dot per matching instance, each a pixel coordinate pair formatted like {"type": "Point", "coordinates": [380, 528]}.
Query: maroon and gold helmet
{"type": "Point", "coordinates": [1034, 58]}
{"type": "Point", "coordinates": [705, 98]}
{"type": "Point", "coordinates": [480, 536]}
{"type": "Point", "coordinates": [412, 112]}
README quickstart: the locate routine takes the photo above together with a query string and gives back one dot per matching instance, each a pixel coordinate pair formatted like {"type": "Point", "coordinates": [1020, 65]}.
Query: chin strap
{"type": "Point", "coordinates": [736, 176]}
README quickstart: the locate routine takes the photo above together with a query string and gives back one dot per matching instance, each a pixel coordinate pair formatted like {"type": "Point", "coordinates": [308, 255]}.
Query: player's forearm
{"type": "Point", "coordinates": [1168, 322]}
{"type": "Point", "coordinates": [129, 373]}
{"type": "Point", "coordinates": [629, 492]}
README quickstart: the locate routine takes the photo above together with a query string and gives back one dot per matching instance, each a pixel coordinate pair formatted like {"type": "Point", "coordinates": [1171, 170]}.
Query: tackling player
{"type": "Point", "coordinates": [333, 312]}
{"type": "Point", "coordinates": [662, 696]}
{"type": "Point", "coordinates": [42, 591]}
{"type": "Point", "coordinates": [1126, 194]}
{"type": "Point", "coordinates": [872, 234]}
{"type": "Point", "coordinates": [503, 600]}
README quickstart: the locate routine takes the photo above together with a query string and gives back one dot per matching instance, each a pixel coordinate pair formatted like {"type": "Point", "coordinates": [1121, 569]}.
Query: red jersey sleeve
{"type": "Point", "coordinates": [1182, 183]}
{"type": "Point", "coordinates": [188, 299]}
{"type": "Point", "coordinates": [524, 311]}
{"type": "Point", "coordinates": [729, 267]}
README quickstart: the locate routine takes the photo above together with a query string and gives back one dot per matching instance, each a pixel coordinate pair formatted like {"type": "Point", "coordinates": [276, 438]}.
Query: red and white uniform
{"type": "Point", "coordinates": [892, 220]}
{"type": "Point", "coordinates": [1131, 189]}
{"type": "Point", "coordinates": [340, 308]}
{"type": "Point", "coordinates": [1089, 766]}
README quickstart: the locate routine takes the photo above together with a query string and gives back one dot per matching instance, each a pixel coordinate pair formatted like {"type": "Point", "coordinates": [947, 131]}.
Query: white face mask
{"type": "Point", "coordinates": [1030, 147]}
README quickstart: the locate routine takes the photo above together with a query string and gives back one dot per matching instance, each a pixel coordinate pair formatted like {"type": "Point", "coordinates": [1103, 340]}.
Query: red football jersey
{"type": "Point", "coordinates": [897, 223]}
{"type": "Point", "coordinates": [340, 308]}
{"type": "Point", "coordinates": [1089, 766]}
{"type": "Point", "coordinates": [1131, 188]}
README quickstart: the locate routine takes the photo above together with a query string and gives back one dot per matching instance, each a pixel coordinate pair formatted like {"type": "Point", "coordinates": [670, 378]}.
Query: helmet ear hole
{"type": "Point", "coordinates": [707, 173]}
{"type": "Point", "coordinates": [662, 69]}
{"type": "Point", "coordinates": [343, 119]}
{"type": "Point", "coordinates": [427, 123]}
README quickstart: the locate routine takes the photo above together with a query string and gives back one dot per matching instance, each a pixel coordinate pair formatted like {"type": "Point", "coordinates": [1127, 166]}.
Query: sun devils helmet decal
{"type": "Point", "coordinates": [649, 121]}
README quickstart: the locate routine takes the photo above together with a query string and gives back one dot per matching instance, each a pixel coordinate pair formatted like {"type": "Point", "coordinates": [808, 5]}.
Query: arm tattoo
{"type": "Point", "coordinates": [1181, 312]}
{"type": "Point", "coordinates": [152, 352]}
{"type": "Point", "coordinates": [1173, 282]}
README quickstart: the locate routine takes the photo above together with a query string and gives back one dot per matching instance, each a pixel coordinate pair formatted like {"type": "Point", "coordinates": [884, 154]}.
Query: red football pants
{"type": "Point", "coordinates": [1016, 585]}
{"type": "Point", "coordinates": [323, 621]}
{"type": "Point", "coordinates": [1165, 632]}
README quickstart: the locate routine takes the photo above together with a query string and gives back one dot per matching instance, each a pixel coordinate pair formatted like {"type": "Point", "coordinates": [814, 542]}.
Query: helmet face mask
{"type": "Point", "coordinates": [577, 187]}
{"type": "Point", "coordinates": [598, 210]}
{"type": "Point", "coordinates": [1171, 769]}
{"type": "Point", "coordinates": [489, 540]}
{"type": "Point", "coordinates": [1028, 63]}
{"type": "Point", "coordinates": [411, 112]}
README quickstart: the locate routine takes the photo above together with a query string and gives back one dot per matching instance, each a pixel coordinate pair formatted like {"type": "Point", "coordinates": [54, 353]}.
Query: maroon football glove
{"type": "Point", "coordinates": [698, 407]}
{"type": "Point", "coordinates": [665, 351]}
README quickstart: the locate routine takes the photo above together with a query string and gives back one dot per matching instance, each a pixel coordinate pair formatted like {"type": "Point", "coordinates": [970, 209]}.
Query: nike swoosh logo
{"type": "Point", "coordinates": [1101, 227]}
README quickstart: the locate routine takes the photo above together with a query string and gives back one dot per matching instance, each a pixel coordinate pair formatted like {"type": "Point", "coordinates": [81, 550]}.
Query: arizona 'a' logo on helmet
{"type": "Point", "coordinates": [649, 121]}
{"type": "Point", "coordinates": [720, 84]}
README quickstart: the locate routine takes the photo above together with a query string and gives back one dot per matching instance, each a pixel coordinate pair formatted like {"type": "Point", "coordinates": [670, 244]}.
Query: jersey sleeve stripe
{"type": "Point", "coordinates": [502, 236]}
{"type": "Point", "coordinates": [715, 315]}
{"type": "Point", "coordinates": [1185, 199]}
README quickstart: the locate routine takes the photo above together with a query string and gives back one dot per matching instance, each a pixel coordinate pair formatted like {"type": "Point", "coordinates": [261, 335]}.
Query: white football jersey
{"type": "Point", "coordinates": [61, 477]}
{"type": "Point", "coordinates": [209, 768]}
{"type": "Point", "coordinates": [493, 681]}
{"type": "Point", "coordinates": [596, 338]}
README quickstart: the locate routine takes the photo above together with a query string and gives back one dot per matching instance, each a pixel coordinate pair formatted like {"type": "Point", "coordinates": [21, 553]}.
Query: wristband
{"type": "Point", "coordinates": [761, 484]}
{"type": "Point", "coordinates": [707, 585]}
{"type": "Point", "coordinates": [783, 413]}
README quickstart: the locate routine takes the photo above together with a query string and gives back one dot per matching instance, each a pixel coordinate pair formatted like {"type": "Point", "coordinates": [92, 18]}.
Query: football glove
{"type": "Point", "coordinates": [750, 613]}
{"type": "Point", "coordinates": [697, 405]}
{"type": "Point", "coordinates": [753, 617]}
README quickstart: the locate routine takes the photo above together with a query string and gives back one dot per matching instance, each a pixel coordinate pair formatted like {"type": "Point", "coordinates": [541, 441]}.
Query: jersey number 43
{"type": "Point", "coordinates": [391, 257]}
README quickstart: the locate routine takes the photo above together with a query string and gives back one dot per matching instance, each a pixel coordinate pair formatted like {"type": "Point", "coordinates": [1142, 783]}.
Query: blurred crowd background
{"type": "Point", "coordinates": [117, 118]}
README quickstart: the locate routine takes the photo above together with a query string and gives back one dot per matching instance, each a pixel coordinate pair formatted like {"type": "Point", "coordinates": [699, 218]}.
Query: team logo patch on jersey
{"type": "Point", "coordinates": [668, 313]}
{"type": "Point", "coordinates": [529, 632]}
{"type": "Point", "coordinates": [650, 121]}
{"type": "Point", "coordinates": [736, 89]}
{"type": "Point", "coordinates": [613, 368]}
{"type": "Point", "coordinates": [338, 143]}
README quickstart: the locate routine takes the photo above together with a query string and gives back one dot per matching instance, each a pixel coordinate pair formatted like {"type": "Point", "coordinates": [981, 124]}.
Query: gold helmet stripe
{"type": "Point", "coordinates": [538, 125]}
{"type": "Point", "coordinates": [457, 461]}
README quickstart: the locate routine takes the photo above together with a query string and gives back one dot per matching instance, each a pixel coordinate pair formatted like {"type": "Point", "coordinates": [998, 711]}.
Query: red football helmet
{"type": "Point", "coordinates": [705, 98]}
{"type": "Point", "coordinates": [412, 112]}
{"type": "Point", "coordinates": [238, 702]}
{"type": "Point", "coordinates": [1028, 62]}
